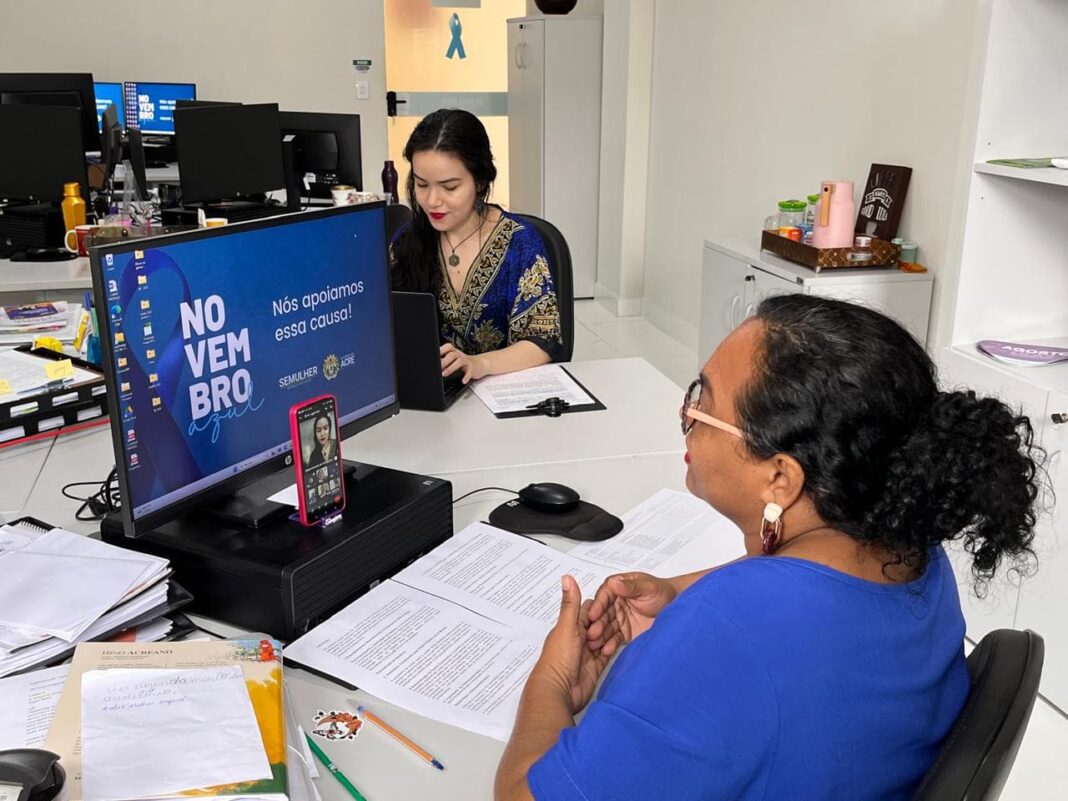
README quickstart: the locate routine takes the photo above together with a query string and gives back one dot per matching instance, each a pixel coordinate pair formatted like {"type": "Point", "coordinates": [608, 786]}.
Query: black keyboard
{"type": "Point", "coordinates": [454, 387]}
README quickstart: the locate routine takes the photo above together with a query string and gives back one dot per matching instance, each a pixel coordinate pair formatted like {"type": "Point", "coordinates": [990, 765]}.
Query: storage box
{"type": "Point", "coordinates": [883, 253]}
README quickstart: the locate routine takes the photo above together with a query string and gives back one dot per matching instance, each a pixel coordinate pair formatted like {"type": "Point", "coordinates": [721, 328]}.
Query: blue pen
{"type": "Point", "coordinates": [88, 300]}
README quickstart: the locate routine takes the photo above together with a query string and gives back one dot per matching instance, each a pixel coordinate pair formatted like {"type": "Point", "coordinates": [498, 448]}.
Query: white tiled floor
{"type": "Point", "coordinates": [1041, 769]}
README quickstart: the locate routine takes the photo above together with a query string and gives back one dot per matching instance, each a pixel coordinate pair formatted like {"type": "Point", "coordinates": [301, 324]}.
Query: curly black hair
{"type": "Point", "coordinates": [888, 458]}
{"type": "Point", "coordinates": [458, 133]}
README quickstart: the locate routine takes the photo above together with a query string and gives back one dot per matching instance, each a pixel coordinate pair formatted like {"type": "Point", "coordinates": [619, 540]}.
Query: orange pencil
{"type": "Point", "coordinates": [396, 735]}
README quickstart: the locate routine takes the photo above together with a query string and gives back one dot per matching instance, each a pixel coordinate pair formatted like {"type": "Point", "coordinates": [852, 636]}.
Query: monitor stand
{"type": "Point", "coordinates": [284, 578]}
{"type": "Point", "coordinates": [249, 507]}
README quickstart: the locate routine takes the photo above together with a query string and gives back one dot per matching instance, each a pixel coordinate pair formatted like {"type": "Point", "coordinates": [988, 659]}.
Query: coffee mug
{"type": "Point", "coordinates": [80, 234]}
{"type": "Point", "coordinates": [344, 195]}
{"type": "Point", "coordinates": [215, 222]}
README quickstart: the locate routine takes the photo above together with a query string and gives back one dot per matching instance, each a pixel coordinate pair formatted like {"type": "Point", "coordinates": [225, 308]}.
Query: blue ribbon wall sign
{"type": "Point", "coordinates": [456, 46]}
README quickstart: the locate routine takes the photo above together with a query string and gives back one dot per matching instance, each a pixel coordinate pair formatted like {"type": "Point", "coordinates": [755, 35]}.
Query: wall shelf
{"type": "Point", "coordinates": [1041, 175]}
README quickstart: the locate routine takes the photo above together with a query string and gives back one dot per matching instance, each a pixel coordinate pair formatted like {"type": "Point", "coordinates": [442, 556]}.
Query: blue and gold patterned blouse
{"type": "Point", "coordinates": [507, 297]}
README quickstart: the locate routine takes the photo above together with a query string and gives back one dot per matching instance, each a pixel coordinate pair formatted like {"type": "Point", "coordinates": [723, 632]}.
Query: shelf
{"type": "Point", "coordinates": [1053, 377]}
{"type": "Point", "coordinates": [1041, 175]}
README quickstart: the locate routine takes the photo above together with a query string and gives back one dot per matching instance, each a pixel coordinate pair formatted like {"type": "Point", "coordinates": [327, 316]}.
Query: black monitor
{"type": "Point", "coordinates": [110, 142]}
{"type": "Point", "coordinates": [210, 337]}
{"type": "Point", "coordinates": [229, 152]}
{"type": "Point", "coordinates": [138, 163]}
{"type": "Point", "coordinates": [151, 106]}
{"type": "Point", "coordinates": [326, 149]}
{"type": "Point", "coordinates": [183, 104]}
{"type": "Point", "coordinates": [70, 89]}
{"type": "Point", "coordinates": [41, 149]}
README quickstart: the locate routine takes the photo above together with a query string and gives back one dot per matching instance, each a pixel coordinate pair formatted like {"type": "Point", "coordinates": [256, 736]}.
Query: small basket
{"type": "Point", "coordinates": [883, 253]}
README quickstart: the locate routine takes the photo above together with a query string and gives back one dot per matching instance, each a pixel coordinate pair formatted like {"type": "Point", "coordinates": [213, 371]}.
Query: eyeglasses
{"type": "Point", "coordinates": [689, 413]}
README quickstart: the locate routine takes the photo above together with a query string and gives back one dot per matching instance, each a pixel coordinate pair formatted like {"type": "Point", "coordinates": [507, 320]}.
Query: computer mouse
{"type": "Point", "coordinates": [549, 497]}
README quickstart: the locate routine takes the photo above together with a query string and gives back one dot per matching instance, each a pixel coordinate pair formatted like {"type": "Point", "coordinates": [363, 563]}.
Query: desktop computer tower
{"type": "Point", "coordinates": [283, 578]}
{"type": "Point", "coordinates": [30, 225]}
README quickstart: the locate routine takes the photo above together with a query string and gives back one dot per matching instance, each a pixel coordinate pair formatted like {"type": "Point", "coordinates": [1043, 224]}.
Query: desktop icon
{"type": "Point", "coordinates": [131, 435]}
{"type": "Point", "coordinates": [142, 280]}
{"type": "Point", "coordinates": [119, 337]}
{"type": "Point", "coordinates": [127, 411]}
{"type": "Point", "coordinates": [151, 353]}
{"type": "Point", "coordinates": [124, 386]}
{"type": "Point", "coordinates": [145, 305]}
{"type": "Point", "coordinates": [109, 259]}
{"type": "Point", "coordinates": [116, 311]}
{"type": "Point", "coordinates": [148, 329]}
{"type": "Point", "coordinates": [113, 286]}
{"type": "Point", "coordinates": [134, 460]}
{"type": "Point", "coordinates": [153, 378]}
{"type": "Point", "coordinates": [122, 362]}
{"type": "Point", "coordinates": [156, 402]}
{"type": "Point", "coordinates": [139, 254]}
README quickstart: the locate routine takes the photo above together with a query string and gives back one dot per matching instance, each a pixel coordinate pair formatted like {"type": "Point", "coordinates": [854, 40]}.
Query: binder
{"type": "Point", "coordinates": [595, 406]}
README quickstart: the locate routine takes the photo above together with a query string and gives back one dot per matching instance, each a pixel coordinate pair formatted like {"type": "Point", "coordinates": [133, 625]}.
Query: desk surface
{"type": "Point", "coordinates": [42, 276]}
{"type": "Point", "coordinates": [615, 458]}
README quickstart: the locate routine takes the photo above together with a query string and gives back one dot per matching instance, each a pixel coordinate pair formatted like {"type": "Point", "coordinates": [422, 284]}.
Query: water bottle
{"type": "Point", "coordinates": [389, 182]}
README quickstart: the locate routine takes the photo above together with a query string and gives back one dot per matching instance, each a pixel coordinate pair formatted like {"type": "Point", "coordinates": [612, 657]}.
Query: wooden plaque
{"type": "Point", "coordinates": [883, 200]}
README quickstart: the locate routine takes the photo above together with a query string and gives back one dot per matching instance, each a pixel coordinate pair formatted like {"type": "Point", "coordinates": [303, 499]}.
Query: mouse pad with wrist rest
{"type": "Point", "coordinates": [586, 522]}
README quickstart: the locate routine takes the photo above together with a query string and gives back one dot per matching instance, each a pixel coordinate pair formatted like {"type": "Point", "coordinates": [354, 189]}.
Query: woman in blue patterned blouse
{"type": "Point", "coordinates": [488, 269]}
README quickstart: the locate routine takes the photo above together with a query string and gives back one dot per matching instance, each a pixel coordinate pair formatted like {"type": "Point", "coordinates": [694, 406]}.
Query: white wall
{"type": "Point", "coordinates": [758, 101]}
{"type": "Point", "coordinates": [296, 54]}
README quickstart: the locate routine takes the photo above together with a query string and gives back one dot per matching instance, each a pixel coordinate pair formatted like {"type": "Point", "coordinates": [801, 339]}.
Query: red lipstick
{"type": "Point", "coordinates": [436, 215]}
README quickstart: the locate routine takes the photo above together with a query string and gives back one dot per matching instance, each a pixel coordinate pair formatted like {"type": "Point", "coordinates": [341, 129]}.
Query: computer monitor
{"type": "Point", "coordinates": [70, 89]}
{"type": "Point", "coordinates": [41, 148]}
{"type": "Point", "coordinates": [326, 149]}
{"type": "Point", "coordinates": [109, 94]}
{"type": "Point", "coordinates": [210, 337]}
{"type": "Point", "coordinates": [150, 106]}
{"type": "Point", "coordinates": [229, 152]}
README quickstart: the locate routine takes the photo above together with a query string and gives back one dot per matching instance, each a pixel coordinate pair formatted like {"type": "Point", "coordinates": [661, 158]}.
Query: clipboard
{"type": "Point", "coordinates": [595, 406]}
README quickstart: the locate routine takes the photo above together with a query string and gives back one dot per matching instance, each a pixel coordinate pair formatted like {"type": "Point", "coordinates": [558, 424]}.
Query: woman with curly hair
{"type": "Point", "coordinates": [828, 662]}
{"type": "Point", "coordinates": [497, 303]}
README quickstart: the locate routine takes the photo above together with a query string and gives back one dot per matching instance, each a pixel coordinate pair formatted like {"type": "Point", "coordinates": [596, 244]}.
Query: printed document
{"type": "Point", "coordinates": [514, 392]}
{"type": "Point", "coordinates": [27, 704]}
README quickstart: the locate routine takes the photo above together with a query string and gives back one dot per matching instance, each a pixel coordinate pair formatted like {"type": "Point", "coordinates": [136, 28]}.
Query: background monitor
{"type": "Point", "coordinates": [326, 148]}
{"type": "Point", "coordinates": [41, 149]}
{"type": "Point", "coordinates": [150, 106]}
{"type": "Point", "coordinates": [109, 94]}
{"type": "Point", "coordinates": [69, 89]}
{"type": "Point", "coordinates": [228, 152]}
{"type": "Point", "coordinates": [203, 104]}
{"type": "Point", "coordinates": [210, 337]}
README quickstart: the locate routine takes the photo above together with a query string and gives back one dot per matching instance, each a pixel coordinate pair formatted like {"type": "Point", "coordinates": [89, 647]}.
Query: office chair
{"type": "Point", "coordinates": [560, 269]}
{"type": "Point", "coordinates": [978, 753]}
{"type": "Point", "coordinates": [396, 216]}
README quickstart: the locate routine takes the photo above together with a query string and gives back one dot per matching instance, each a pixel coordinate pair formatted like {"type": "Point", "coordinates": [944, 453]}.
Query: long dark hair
{"type": "Point", "coordinates": [888, 458]}
{"type": "Point", "coordinates": [460, 134]}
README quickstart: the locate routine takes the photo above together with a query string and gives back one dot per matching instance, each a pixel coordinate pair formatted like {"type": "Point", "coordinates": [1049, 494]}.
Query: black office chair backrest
{"type": "Point", "coordinates": [978, 753]}
{"type": "Point", "coordinates": [560, 268]}
{"type": "Point", "coordinates": [396, 216]}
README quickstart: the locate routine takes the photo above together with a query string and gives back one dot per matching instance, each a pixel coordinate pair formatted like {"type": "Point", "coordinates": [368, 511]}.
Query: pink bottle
{"type": "Point", "coordinates": [835, 215]}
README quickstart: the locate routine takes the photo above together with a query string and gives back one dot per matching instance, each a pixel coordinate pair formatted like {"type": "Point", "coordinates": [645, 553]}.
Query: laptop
{"type": "Point", "coordinates": [418, 353]}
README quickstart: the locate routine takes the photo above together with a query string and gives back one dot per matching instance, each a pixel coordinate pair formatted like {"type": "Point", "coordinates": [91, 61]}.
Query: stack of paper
{"type": "Point", "coordinates": [57, 319]}
{"type": "Point", "coordinates": [61, 588]}
{"type": "Point", "coordinates": [201, 719]}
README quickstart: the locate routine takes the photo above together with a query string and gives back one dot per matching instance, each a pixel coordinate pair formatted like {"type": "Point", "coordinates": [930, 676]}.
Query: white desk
{"type": "Point", "coordinates": [153, 175]}
{"type": "Point", "coordinates": [614, 458]}
{"type": "Point", "coordinates": [26, 281]}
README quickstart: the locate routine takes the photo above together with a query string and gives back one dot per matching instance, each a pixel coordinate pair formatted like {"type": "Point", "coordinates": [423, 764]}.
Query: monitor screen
{"type": "Point", "coordinates": [108, 94]}
{"type": "Point", "coordinates": [226, 152]}
{"type": "Point", "coordinates": [326, 149]}
{"type": "Point", "coordinates": [41, 149]}
{"type": "Point", "coordinates": [150, 106]}
{"type": "Point", "coordinates": [70, 89]}
{"type": "Point", "coordinates": [210, 337]}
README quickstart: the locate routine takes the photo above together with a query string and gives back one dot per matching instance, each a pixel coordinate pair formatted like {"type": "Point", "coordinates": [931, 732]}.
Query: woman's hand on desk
{"type": "Point", "coordinates": [565, 661]}
{"type": "Point", "coordinates": [624, 607]}
{"type": "Point", "coordinates": [454, 359]}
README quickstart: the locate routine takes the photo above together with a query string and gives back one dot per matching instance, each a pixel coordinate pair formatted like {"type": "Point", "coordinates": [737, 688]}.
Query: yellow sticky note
{"type": "Point", "coordinates": [5, 386]}
{"type": "Point", "coordinates": [57, 371]}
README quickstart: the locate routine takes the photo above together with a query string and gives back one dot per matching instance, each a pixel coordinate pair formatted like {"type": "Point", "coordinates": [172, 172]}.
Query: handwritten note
{"type": "Point", "coordinates": [136, 723]}
{"type": "Point", "coordinates": [62, 369]}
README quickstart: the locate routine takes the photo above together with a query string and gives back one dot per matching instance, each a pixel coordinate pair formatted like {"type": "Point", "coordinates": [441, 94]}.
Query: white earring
{"type": "Point", "coordinates": [771, 528]}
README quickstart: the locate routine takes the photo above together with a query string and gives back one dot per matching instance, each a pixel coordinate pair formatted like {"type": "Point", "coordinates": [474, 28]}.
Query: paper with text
{"type": "Point", "coordinates": [500, 575]}
{"type": "Point", "coordinates": [150, 732]}
{"type": "Point", "coordinates": [427, 655]}
{"type": "Point", "coordinates": [514, 392]}
{"type": "Point", "coordinates": [27, 705]}
{"type": "Point", "coordinates": [668, 534]}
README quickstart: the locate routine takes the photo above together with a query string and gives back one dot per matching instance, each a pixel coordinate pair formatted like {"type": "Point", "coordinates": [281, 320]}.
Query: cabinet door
{"type": "Point", "coordinates": [526, 116]}
{"type": "Point", "coordinates": [1044, 596]}
{"type": "Point", "coordinates": [761, 284]}
{"type": "Point", "coordinates": [723, 284]}
{"type": "Point", "coordinates": [907, 302]}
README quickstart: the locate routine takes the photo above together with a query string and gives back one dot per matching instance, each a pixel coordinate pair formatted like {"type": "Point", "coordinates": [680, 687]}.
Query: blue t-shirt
{"type": "Point", "coordinates": [774, 678]}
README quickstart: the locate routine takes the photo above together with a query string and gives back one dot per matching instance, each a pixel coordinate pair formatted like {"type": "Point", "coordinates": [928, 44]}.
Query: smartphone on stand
{"type": "Point", "coordinates": [317, 459]}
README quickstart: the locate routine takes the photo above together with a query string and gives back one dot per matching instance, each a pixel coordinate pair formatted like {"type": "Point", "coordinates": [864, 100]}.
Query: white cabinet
{"type": "Point", "coordinates": [554, 130]}
{"type": "Point", "coordinates": [736, 277]}
{"type": "Point", "coordinates": [1013, 285]}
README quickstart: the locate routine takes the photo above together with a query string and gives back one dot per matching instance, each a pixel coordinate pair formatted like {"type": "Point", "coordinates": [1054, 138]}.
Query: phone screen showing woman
{"type": "Point", "coordinates": [320, 474]}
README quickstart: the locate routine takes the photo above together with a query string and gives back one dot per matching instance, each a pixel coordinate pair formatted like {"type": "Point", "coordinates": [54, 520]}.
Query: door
{"type": "Point", "coordinates": [526, 115]}
{"type": "Point", "coordinates": [449, 57]}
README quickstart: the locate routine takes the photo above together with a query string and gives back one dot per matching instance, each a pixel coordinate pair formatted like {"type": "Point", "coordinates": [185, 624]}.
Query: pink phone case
{"type": "Point", "coordinates": [298, 458]}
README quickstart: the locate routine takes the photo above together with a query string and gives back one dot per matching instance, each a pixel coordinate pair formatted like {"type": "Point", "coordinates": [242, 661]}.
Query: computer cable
{"type": "Point", "coordinates": [100, 504]}
{"type": "Point", "coordinates": [483, 489]}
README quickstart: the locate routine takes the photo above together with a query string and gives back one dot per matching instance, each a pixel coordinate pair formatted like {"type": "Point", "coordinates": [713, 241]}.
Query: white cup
{"type": "Point", "coordinates": [344, 195]}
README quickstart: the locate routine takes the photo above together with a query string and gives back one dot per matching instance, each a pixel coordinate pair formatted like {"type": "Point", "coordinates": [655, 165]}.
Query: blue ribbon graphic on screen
{"type": "Point", "coordinates": [456, 46]}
